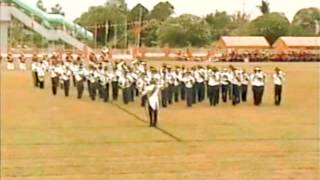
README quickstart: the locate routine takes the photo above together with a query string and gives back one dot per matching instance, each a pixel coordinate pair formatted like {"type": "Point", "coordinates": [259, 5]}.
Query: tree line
{"type": "Point", "coordinates": [115, 25]}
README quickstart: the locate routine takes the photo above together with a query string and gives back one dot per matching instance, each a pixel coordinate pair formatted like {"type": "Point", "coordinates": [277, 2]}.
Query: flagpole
{"type": "Point", "coordinates": [115, 36]}
{"type": "Point", "coordinates": [140, 27]}
{"type": "Point", "coordinates": [126, 32]}
{"type": "Point", "coordinates": [96, 36]}
{"type": "Point", "coordinates": [106, 33]}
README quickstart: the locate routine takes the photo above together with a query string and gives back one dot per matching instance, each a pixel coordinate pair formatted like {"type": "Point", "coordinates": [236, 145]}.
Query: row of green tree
{"type": "Point", "coordinates": [159, 28]}
{"type": "Point", "coordinates": [115, 25]}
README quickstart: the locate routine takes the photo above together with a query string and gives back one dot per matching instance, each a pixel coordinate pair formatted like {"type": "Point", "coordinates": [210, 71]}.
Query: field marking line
{"type": "Point", "coordinates": [144, 121]}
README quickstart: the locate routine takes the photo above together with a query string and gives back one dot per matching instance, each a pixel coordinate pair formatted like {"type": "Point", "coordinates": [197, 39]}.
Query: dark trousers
{"type": "Point", "coordinates": [101, 90]}
{"type": "Point", "coordinates": [35, 79]}
{"type": "Point", "coordinates": [125, 95]}
{"type": "Point", "coordinates": [89, 87]}
{"type": "Point", "coordinates": [74, 81]}
{"type": "Point", "coordinates": [235, 94]}
{"type": "Point", "coordinates": [164, 97]}
{"type": "Point", "coordinates": [244, 92]}
{"type": "Point", "coordinates": [210, 94]}
{"type": "Point", "coordinates": [197, 92]}
{"type": "Point", "coordinates": [115, 90]}
{"type": "Point", "coordinates": [153, 116]}
{"type": "Point", "coordinates": [54, 85]}
{"type": "Point", "coordinates": [257, 94]}
{"type": "Point", "coordinates": [132, 92]}
{"type": "Point", "coordinates": [170, 93]}
{"type": "Point", "coordinates": [224, 92]}
{"type": "Point", "coordinates": [277, 94]}
{"type": "Point", "coordinates": [144, 99]}
{"type": "Point", "coordinates": [176, 90]}
{"type": "Point", "coordinates": [80, 88]}
{"type": "Point", "coordinates": [61, 84]}
{"type": "Point", "coordinates": [93, 90]}
{"type": "Point", "coordinates": [230, 90]}
{"type": "Point", "coordinates": [216, 94]}
{"type": "Point", "coordinates": [183, 91]}
{"type": "Point", "coordinates": [213, 95]}
{"type": "Point", "coordinates": [194, 93]}
{"type": "Point", "coordinates": [135, 89]}
{"type": "Point", "coordinates": [66, 86]}
{"type": "Point", "coordinates": [189, 96]}
{"type": "Point", "coordinates": [200, 91]}
{"type": "Point", "coordinates": [106, 93]}
{"type": "Point", "coordinates": [208, 91]}
{"type": "Point", "coordinates": [41, 84]}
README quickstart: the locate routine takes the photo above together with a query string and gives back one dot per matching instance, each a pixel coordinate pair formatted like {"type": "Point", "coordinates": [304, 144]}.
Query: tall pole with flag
{"type": "Point", "coordinates": [140, 27]}
{"type": "Point", "coordinates": [126, 32]}
{"type": "Point", "coordinates": [115, 36]}
{"type": "Point", "coordinates": [32, 26]}
{"type": "Point", "coordinates": [95, 36]}
{"type": "Point", "coordinates": [106, 33]}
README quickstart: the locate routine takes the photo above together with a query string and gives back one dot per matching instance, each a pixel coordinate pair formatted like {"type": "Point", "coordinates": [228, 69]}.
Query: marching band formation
{"type": "Point", "coordinates": [163, 87]}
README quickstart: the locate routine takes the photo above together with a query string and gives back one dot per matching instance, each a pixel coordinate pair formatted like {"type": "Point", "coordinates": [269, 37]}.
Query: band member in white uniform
{"type": "Point", "coordinates": [176, 83]}
{"type": "Point", "coordinates": [54, 74]}
{"type": "Point", "coordinates": [200, 86]}
{"type": "Point", "coordinates": [66, 76]}
{"type": "Point", "coordinates": [107, 80]}
{"type": "Point", "coordinates": [224, 84]}
{"type": "Point", "coordinates": [189, 82]}
{"type": "Point", "coordinates": [152, 92]}
{"type": "Point", "coordinates": [80, 76]}
{"type": "Point", "coordinates": [278, 79]}
{"type": "Point", "coordinates": [170, 79]}
{"type": "Point", "coordinates": [41, 69]}
{"type": "Point", "coordinates": [236, 84]}
{"type": "Point", "coordinates": [124, 84]}
{"type": "Point", "coordinates": [258, 79]}
{"type": "Point", "coordinates": [10, 62]}
{"type": "Point", "coordinates": [115, 83]}
{"type": "Point", "coordinates": [213, 86]}
{"type": "Point", "coordinates": [22, 63]}
{"type": "Point", "coordinates": [141, 84]}
{"type": "Point", "coordinates": [93, 81]}
{"type": "Point", "coordinates": [244, 85]}
{"type": "Point", "coordinates": [34, 66]}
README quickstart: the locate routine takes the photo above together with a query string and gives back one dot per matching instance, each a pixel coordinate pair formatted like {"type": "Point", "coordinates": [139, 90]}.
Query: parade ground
{"type": "Point", "coordinates": [54, 137]}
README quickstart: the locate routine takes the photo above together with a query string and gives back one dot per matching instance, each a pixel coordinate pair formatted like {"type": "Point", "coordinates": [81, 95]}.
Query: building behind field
{"type": "Point", "coordinates": [243, 42]}
{"type": "Point", "coordinates": [297, 43]}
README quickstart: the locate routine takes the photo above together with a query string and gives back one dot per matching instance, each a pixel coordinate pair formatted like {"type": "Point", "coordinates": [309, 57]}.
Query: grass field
{"type": "Point", "coordinates": [47, 137]}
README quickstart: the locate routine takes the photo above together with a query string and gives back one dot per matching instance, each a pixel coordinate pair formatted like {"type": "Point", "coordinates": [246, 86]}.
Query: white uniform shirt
{"type": "Point", "coordinates": [74, 68]}
{"type": "Point", "coordinates": [245, 78]}
{"type": "Point", "coordinates": [41, 69]}
{"type": "Point", "coordinates": [80, 74]}
{"type": "Point", "coordinates": [199, 76]}
{"type": "Point", "coordinates": [170, 78]}
{"type": "Point", "coordinates": [176, 78]}
{"type": "Point", "coordinates": [258, 79]}
{"type": "Point", "coordinates": [153, 99]}
{"type": "Point", "coordinates": [224, 78]}
{"type": "Point", "coordinates": [189, 81]}
{"type": "Point", "coordinates": [278, 79]}
{"type": "Point", "coordinates": [54, 71]}
{"type": "Point", "coordinates": [213, 78]}
{"type": "Point", "coordinates": [34, 66]}
{"type": "Point", "coordinates": [101, 76]}
{"type": "Point", "coordinates": [66, 74]}
{"type": "Point", "coordinates": [123, 82]}
{"type": "Point", "coordinates": [141, 83]}
{"type": "Point", "coordinates": [236, 78]}
{"type": "Point", "coordinates": [93, 76]}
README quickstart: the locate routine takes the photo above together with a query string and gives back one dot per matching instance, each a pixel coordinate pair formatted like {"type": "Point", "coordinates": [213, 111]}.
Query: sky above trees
{"type": "Point", "coordinates": [196, 7]}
